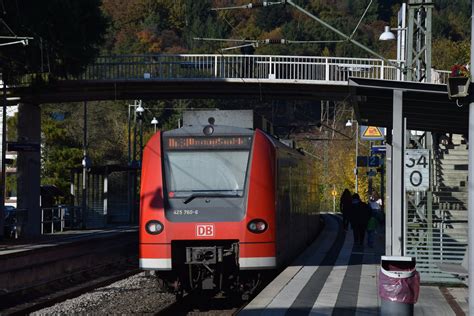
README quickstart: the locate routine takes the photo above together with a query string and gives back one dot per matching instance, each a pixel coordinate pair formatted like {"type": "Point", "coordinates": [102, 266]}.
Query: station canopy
{"type": "Point", "coordinates": [425, 106]}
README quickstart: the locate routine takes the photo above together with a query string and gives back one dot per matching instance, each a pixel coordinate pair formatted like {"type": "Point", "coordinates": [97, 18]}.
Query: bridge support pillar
{"type": "Point", "coordinates": [29, 168]}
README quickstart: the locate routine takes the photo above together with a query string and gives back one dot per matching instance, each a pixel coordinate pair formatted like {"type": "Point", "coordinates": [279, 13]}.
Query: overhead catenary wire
{"type": "Point", "coordinates": [250, 5]}
{"type": "Point", "coordinates": [323, 23]}
{"type": "Point", "coordinates": [361, 18]}
{"type": "Point", "coordinates": [8, 28]}
{"type": "Point", "coordinates": [16, 39]}
{"type": "Point", "coordinates": [267, 41]}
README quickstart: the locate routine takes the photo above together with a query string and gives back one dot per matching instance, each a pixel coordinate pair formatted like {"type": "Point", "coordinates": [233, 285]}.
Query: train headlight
{"type": "Point", "coordinates": [208, 130]}
{"type": "Point", "coordinates": [154, 227]}
{"type": "Point", "coordinates": [257, 226]}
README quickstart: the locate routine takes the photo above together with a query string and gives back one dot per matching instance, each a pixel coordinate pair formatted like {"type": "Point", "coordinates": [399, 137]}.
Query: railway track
{"type": "Point", "coordinates": [46, 294]}
{"type": "Point", "coordinates": [203, 304]}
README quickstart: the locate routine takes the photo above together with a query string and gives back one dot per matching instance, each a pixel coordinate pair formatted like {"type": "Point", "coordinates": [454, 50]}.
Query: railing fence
{"type": "Point", "coordinates": [243, 67]}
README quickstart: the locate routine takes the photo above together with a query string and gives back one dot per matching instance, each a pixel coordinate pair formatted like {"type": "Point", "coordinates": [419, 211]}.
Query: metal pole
{"type": "Point", "coordinates": [84, 169]}
{"type": "Point", "coordinates": [382, 179]}
{"type": "Point", "coordinates": [141, 137]}
{"type": "Point", "coordinates": [4, 151]}
{"type": "Point", "coordinates": [471, 178]}
{"type": "Point", "coordinates": [356, 154]}
{"type": "Point", "coordinates": [401, 40]}
{"type": "Point", "coordinates": [129, 136]}
{"type": "Point", "coordinates": [134, 136]}
{"type": "Point", "coordinates": [397, 194]}
{"type": "Point", "coordinates": [129, 177]}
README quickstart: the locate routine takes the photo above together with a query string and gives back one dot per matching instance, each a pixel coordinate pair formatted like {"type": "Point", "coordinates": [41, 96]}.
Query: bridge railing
{"type": "Point", "coordinates": [241, 67]}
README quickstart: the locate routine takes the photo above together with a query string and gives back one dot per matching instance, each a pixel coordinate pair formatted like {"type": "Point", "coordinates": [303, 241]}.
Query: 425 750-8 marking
{"type": "Point", "coordinates": [186, 212]}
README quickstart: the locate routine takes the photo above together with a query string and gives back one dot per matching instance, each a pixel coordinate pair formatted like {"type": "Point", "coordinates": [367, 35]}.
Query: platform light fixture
{"type": "Point", "coordinates": [401, 37]}
{"type": "Point", "coordinates": [154, 122]}
{"type": "Point", "coordinates": [387, 35]}
{"type": "Point", "coordinates": [140, 109]}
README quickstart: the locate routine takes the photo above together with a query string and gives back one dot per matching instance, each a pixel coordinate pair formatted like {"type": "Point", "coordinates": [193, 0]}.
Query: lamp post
{"type": "Point", "coordinates": [139, 111]}
{"type": "Point", "coordinates": [414, 39]}
{"type": "Point", "coordinates": [356, 172]}
{"type": "Point", "coordinates": [387, 35]}
{"type": "Point", "coordinates": [132, 154]}
{"type": "Point", "coordinates": [85, 166]}
{"type": "Point", "coordinates": [138, 116]}
{"type": "Point", "coordinates": [4, 150]}
{"type": "Point", "coordinates": [154, 122]}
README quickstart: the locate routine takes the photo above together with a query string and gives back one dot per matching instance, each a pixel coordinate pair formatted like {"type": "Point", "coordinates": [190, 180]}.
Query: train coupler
{"type": "Point", "coordinates": [204, 255]}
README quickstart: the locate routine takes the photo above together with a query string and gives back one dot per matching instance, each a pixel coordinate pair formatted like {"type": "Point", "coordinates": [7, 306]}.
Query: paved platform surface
{"type": "Point", "coordinates": [340, 278]}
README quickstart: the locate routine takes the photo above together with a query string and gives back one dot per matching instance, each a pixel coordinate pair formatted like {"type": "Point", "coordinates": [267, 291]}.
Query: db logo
{"type": "Point", "coordinates": [205, 230]}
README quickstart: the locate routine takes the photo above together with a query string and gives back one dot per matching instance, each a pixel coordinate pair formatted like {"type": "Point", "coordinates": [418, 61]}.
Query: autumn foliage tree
{"type": "Point", "coordinates": [66, 35]}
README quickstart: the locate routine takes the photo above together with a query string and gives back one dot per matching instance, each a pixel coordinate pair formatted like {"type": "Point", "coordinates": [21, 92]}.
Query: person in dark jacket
{"type": "Point", "coordinates": [359, 217]}
{"type": "Point", "coordinates": [345, 205]}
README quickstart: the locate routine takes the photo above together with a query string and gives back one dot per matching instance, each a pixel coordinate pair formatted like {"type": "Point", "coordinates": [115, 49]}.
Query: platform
{"type": "Point", "coordinates": [10, 246]}
{"type": "Point", "coordinates": [340, 278]}
{"type": "Point", "coordinates": [30, 263]}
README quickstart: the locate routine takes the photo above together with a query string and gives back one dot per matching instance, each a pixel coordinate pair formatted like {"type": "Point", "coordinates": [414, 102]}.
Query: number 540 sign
{"type": "Point", "coordinates": [417, 169]}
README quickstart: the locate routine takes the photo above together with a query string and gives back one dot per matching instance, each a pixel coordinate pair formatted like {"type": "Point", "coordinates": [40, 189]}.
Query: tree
{"type": "Point", "coordinates": [62, 137]}
{"type": "Point", "coordinates": [60, 149]}
{"type": "Point", "coordinates": [66, 33]}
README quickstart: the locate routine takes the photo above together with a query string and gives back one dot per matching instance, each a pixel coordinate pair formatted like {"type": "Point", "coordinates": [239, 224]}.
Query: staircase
{"type": "Point", "coordinates": [451, 175]}
{"type": "Point", "coordinates": [442, 235]}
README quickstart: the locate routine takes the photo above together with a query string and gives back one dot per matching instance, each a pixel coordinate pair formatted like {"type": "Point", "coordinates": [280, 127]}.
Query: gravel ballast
{"type": "Point", "coordinates": [136, 294]}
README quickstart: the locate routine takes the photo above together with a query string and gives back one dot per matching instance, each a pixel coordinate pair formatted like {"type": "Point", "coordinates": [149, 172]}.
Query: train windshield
{"type": "Point", "coordinates": [202, 169]}
{"type": "Point", "coordinates": [207, 171]}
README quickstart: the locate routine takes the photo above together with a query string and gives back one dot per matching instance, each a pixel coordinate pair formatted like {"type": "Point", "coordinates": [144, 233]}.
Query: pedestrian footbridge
{"type": "Point", "coordinates": [189, 76]}
{"type": "Point", "coordinates": [310, 69]}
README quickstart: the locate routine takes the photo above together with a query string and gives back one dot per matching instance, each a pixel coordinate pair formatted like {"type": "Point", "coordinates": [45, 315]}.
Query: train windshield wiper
{"type": "Point", "coordinates": [211, 195]}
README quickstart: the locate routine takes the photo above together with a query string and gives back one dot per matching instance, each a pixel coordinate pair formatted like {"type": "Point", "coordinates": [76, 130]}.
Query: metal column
{"type": "Point", "coordinates": [470, 180]}
{"type": "Point", "coordinates": [419, 40]}
{"type": "Point", "coordinates": [398, 192]}
{"type": "Point", "coordinates": [388, 198]}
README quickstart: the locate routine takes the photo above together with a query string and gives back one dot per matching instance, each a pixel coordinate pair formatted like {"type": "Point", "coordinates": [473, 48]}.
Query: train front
{"type": "Point", "coordinates": [208, 207]}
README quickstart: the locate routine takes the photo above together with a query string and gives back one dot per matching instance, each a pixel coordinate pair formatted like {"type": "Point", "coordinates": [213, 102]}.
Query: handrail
{"type": "Point", "coordinates": [51, 216]}
{"type": "Point", "coordinates": [59, 218]}
{"type": "Point", "coordinates": [263, 68]}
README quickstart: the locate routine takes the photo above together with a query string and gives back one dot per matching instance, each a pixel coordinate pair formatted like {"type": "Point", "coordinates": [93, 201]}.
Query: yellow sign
{"type": "Point", "coordinates": [372, 131]}
{"type": "Point", "coordinates": [333, 192]}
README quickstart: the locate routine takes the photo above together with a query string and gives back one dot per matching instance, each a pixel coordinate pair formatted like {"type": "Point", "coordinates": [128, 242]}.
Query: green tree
{"type": "Point", "coordinates": [62, 138]}
{"type": "Point", "coordinates": [60, 149]}
{"type": "Point", "coordinates": [66, 34]}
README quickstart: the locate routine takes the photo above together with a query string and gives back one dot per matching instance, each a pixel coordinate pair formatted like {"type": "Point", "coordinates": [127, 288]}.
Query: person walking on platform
{"type": "Point", "coordinates": [359, 218]}
{"type": "Point", "coordinates": [375, 203]}
{"type": "Point", "coordinates": [345, 206]}
{"type": "Point", "coordinates": [371, 229]}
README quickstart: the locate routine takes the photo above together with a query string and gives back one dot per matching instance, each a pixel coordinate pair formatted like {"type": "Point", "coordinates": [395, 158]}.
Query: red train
{"type": "Point", "coordinates": [219, 204]}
